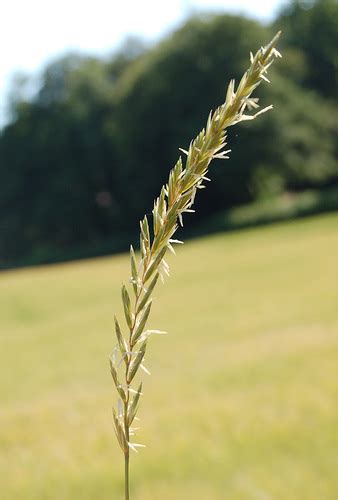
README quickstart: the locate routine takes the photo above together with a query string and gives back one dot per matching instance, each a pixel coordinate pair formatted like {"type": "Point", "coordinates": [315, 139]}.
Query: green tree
{"type": "Point", "coordinates": [312, 27]}
{"type": "Point", "coordinates": [80, 161]}
{"type": "Point", "coordinates": [57, 161]}
{"type": "Point", "coordinates": [164, 97]}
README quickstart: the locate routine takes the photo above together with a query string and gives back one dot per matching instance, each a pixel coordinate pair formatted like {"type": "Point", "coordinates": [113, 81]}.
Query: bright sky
{"type": "Point", "coordinates": [34, 31]}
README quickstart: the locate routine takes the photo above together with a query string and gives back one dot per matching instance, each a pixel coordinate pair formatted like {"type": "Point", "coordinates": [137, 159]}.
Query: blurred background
{"type": "Point", "coordinates": [96, 99]}
{"type": "Point", "coordinates": [88, 138]}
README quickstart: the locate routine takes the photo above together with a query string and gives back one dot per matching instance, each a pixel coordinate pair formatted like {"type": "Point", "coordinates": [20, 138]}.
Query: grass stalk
{"type": "Point", "coordinates": [176, 198]}
{"type": "Point", "coordinates": [126, 476]}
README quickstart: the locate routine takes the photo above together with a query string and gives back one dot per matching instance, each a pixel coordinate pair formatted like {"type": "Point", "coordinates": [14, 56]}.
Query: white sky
{"type": "Point", "coordinates": [33, 31]}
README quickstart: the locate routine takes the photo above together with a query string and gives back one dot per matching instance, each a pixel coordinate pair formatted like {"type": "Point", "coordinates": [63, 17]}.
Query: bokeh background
{"type": "Point", "coordinates": [242, 402]}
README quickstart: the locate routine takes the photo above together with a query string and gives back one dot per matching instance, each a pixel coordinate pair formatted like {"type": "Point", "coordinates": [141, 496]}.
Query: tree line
{"type": "Point", "coordinates": [82, 160]}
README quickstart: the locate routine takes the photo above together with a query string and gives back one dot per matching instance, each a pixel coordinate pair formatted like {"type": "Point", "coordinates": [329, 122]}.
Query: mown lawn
{"type": "Point", "coordinates": [243, 398]}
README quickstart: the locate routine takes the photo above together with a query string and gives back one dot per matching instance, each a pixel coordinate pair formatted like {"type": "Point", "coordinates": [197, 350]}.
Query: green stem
{"type": "Point", "coordinates": [126, 476]}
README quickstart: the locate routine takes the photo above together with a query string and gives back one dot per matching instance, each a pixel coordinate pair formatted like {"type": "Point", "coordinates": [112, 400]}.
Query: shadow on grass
{"type": "Point", "coordinates": [285, 207]}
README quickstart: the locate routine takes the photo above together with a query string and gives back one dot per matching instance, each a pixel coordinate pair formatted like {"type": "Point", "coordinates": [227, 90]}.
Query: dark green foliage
{"type": "Point", "coordinates": [310, 27]}
{"type": "Point", "coordinates": [56, 162]}
{"type": "Point", "coordinates": [83, 160]}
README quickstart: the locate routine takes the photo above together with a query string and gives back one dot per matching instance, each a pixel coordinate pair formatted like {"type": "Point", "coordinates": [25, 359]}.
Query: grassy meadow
{"type": "Point", "coordinates": [242, 402]}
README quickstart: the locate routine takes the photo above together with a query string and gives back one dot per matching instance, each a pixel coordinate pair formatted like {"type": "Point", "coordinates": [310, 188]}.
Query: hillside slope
{"type": "Point", "coordinates": [242, 401]}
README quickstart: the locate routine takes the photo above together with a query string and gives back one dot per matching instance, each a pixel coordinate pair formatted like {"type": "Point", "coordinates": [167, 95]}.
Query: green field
{"type": "Point", "coordinates": [242, 402]}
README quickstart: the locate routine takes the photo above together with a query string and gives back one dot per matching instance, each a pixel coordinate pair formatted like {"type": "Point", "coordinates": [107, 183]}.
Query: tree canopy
{"type": "Point", "coordinates": [83, 159]}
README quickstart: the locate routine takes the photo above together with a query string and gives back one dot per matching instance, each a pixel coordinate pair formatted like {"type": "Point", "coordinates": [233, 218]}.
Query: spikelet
{"type": "Point", "coordinates": [176, 199]}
